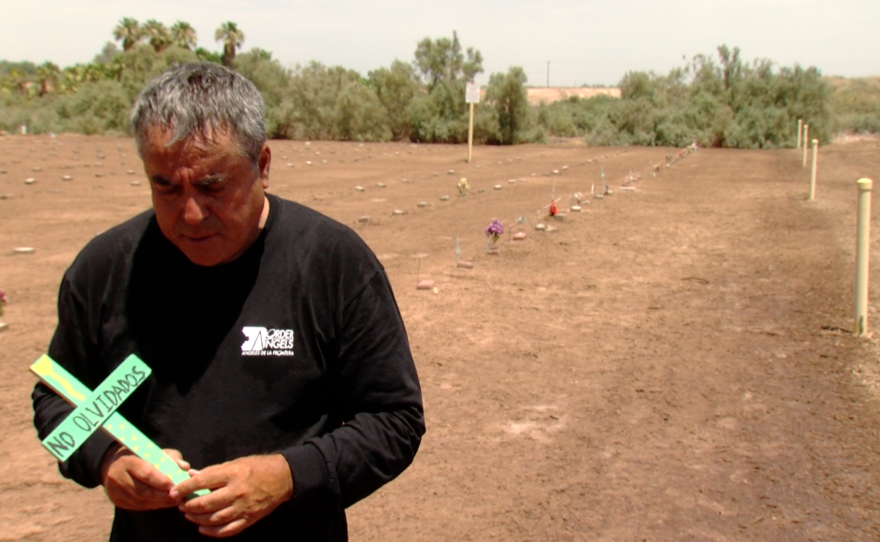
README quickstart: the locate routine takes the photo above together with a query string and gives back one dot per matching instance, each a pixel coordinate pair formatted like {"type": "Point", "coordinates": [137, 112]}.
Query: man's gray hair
{"type": "Point", "coordinates": [196, 98]}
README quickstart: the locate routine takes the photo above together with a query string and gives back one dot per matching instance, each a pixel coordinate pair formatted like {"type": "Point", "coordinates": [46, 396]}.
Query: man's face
{"type": "Point", "coordinates": [207, 196]}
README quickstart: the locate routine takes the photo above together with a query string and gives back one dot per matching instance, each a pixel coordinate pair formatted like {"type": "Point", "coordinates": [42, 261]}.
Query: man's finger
{"type": "Point", "coordinates": [215, 501]}
{"type": "Point", "coordinates": [195, 483]}
{"type": "Point", "coordinates": [131, 484]}
{"type": "Point", "coordinates": [219, 518]}
{"type": "Point", "coordinates": [178, 458]}
{"type": "Point", "coordinates": [210, 478]}
{"type": "Point", "coordinates": [223, 531]}
{"type": "Point", "coordinates": [150, 476]}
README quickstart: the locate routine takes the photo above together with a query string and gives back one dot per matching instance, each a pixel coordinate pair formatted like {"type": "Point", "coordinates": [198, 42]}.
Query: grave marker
{"type": "Point", "coordinates": [94, 410]}
{"type": "Point", "coordinates": [81, 397]}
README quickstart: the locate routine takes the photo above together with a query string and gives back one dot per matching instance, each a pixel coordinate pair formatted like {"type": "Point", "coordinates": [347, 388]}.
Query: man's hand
{"type": "Point", "coordinates": [134, 484]}
{"type": "Point", "coordinates": [242, 492]}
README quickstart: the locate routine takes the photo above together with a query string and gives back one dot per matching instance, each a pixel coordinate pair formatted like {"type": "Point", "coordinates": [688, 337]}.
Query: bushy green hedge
{"type": "Point", "coordinates": [88, 99]}
{"type": "Point", "coordinates": [727, 103]}
{"type": "Point", "coordinates": [422, 101]}
{"type": "Point", "coordinates": [721, 102]}
{"type": "Point", "coordinates": [856, 104]}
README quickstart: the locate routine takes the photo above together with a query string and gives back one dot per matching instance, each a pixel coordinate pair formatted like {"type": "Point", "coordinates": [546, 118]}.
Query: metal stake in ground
{"type": "Point", "coordinates": [813, 174]}
{"type": "Point", "coordinates": [806, 138]}
{"type": "Point", "coordinates": [800, 131]}
{"type": "Point", "coordinates": [862, 257]}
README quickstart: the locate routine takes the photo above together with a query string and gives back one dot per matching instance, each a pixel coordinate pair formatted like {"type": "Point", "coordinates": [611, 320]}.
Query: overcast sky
{"type": "Point", "coordinates": [585, 42]}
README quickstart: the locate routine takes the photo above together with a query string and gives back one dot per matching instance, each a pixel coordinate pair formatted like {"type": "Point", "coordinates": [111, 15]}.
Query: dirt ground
{"type": "Point", "coordinates": [671, 363]}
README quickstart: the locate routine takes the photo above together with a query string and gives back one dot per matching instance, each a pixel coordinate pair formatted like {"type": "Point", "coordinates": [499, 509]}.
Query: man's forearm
{"type": "Point", "coordinates": [84, 466]}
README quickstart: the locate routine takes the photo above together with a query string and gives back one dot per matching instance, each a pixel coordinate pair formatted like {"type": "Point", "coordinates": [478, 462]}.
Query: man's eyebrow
{"type": "Point", "coordinates": [209, 180]}
{"type": "Point", "coordinates": [160, 180]}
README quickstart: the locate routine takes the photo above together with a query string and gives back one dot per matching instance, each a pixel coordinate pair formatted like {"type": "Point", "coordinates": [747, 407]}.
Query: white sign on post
{"type": "Point", "coordinates": [471, 97]}
{"type": "Point", "coordinates": [472, 94]}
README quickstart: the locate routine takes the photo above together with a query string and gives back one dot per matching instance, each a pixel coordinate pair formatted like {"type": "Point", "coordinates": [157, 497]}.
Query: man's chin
{"type": "Point", "coordinates": [204, 260]}
{"type": "Point", "coordinates": [200, 253]}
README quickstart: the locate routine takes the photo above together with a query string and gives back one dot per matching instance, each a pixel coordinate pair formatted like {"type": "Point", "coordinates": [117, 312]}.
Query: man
{"type": "Point", "coordinates": [282, 376]}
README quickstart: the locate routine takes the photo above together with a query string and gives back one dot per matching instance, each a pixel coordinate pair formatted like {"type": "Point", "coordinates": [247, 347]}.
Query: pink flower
{"type": "Point", "coordinates": [496, 228]}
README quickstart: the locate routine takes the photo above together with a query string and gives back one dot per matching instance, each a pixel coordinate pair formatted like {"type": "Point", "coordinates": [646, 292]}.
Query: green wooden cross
{"type": "Point", "coordinates": [97, 409]}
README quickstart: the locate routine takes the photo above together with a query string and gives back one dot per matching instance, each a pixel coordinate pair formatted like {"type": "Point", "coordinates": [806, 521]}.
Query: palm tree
{"type": "Point", "coordinates": [232, 39]}
{"type": "Point", "coordinates": [208, 56]}
{"type": "Point", "coordinates": [47, 75]}
{"type": "Point", "coordinates": [183, 35]}
{"type": "Point", "coordinates": [18, 80]}
{"type": "Point", "coordinates": [158, 33]}
{"type": "Point", "coordinates": [114, 68]}
{"type": "Point", "coordinates": [129, 31]}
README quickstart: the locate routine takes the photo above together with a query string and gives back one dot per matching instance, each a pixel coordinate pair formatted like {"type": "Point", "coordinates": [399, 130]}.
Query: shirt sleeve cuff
{"type": "Point", "coordinates": [309, 471]}
{"type": "Point", "coordinates": [85, 465]}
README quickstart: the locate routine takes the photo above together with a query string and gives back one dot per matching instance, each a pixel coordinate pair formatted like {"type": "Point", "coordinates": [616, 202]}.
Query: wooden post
{"type": "Point", "coordinates": [800, 131]}
{"type": "Point", "coordinates": [471, 96]}
{"type": "Point", "coordinates": [806, 138]}
{"type": "Point", "coordinates": [470, 132]}
{"type": "Point", "coordinates": [860, 327]}
{"type": "Point", "coordinates": [813, 174]}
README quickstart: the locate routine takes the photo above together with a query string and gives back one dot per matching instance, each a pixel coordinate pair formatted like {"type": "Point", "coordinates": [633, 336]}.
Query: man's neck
{"type": "Point", "coordinates": [264, 215]}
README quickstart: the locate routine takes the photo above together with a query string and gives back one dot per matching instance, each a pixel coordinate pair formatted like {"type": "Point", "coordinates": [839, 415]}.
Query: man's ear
{"type": "Point", "coordinates": [264, 163]}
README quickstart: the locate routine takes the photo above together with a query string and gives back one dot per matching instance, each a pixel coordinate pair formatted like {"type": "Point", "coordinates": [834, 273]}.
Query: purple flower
{"type": "Point", "coordinates": [3, 299]}
{"type": "Point", "coordinates": [495, 229]}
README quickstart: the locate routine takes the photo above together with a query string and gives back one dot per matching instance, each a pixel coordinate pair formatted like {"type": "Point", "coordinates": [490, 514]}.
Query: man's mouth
{"type": "Point", "coordinates": [198, 239]}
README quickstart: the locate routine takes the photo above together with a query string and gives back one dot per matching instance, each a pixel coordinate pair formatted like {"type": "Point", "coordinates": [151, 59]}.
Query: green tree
{"type": "Point", "coordinates": [158, 35]}
{"type": "Point", "coordinates": [310, 110]}
{"type": "Point", "coordinates": [723, 103]}
{"type": "Point", "coordinates": [129, 32]}
{"type": "Point", "coordinates": [508, 101]}
{"type": "Point", "coordinates": [396, 87]}
{"type": "Point", "coordinates": [100, 107]}
{"type": "Point", "coordinates": [183, 35]}
{"type": "Point", "coordinates": [232, 38]}
{"type": "Point", "coordinates": [440, 116]}
{"type": "Point", "coordinates": [273, 82]}
{"type": "Point", "coordinates": [108, 53]}
{"type": "Point", "coordinates": [856, 104]}
{"type": "Point", "coordinates": [637, 85]}
{"type": "Point", "coordinates": [442, 60]}
{"type": "Point", "coordinates": [142, 63]}
{"type": "Point", "coordinates": [360, 115]}
{"type": "Point", "coordinates": [47, 76]}
{"type": "Point", "coordinates": [208, 56]}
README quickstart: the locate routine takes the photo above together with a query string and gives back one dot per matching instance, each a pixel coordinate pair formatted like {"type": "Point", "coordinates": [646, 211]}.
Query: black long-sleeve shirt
{"type": "Point", "coordinates": [295, 347]}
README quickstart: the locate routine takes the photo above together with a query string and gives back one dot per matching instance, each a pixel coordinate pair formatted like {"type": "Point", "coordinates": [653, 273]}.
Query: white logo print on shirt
{"type": "Point", "coordinates": [266, 342]}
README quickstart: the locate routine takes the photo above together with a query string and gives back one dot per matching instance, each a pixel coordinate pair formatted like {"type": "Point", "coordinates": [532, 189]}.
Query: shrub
{"type": "Point", "coordinates": [723, 103]}
{"type": "Point", "coordinates": [856, 104]}
{"type": "Point", "coordinates": [98, 108]}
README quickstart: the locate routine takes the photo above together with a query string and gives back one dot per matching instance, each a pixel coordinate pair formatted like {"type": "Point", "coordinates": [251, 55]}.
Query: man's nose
{"type": "Point", "coordinates": [194, 211]}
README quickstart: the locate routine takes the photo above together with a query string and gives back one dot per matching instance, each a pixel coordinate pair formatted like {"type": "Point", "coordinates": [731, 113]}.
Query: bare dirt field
{"type": "Point", "coordinates": [671, 363]}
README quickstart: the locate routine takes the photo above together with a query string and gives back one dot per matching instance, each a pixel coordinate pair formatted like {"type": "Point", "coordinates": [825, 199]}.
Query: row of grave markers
{"type": "Point", "coordinates": [551, 210]}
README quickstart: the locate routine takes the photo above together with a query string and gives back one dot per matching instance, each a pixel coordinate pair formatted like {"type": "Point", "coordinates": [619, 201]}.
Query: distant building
{"type": "Point", "coordinates": [549, 95]}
